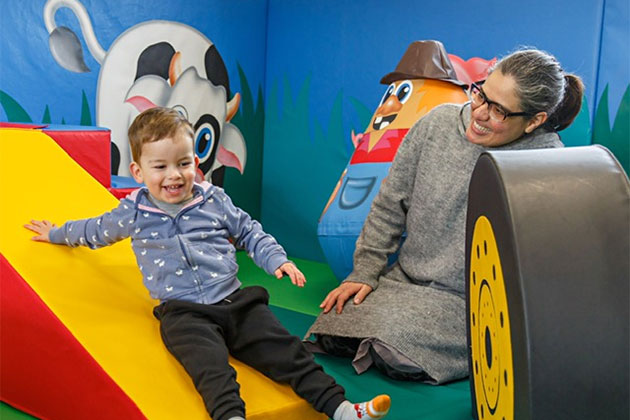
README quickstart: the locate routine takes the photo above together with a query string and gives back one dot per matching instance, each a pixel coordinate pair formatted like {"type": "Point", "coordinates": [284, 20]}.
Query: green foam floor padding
{"type": "Point", "coordinates": [410, 400]}
{"type": "Point", "coordinates": [319, 281]}
{"type": "Point", "coordinates": [297, 308]}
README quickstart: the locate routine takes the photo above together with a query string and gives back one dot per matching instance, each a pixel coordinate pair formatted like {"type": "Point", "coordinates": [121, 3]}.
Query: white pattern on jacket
{"type": "Point", "coordinates": [189, 257]}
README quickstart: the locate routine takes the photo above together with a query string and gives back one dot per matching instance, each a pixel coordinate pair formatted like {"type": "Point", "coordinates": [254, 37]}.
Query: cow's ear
{"type": "Point", "coordinates": [215, 69]}
{"type": "Point", "coordinates": [155, 60]}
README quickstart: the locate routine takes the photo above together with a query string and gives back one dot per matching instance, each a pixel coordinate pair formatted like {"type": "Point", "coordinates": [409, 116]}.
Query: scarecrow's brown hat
{"type": "Point", "coordinates": [424, 60]}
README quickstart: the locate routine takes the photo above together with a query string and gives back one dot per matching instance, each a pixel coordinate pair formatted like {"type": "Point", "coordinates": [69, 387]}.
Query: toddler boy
{"type": "Point", "coordinates": [180, 233]}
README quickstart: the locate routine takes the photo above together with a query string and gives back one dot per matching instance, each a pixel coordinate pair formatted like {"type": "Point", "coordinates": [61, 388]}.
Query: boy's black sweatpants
{"type": "Point", "coordinates": [200, 337]}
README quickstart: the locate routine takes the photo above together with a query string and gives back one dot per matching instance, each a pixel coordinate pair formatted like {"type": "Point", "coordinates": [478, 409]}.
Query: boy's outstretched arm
{"type": "Point", "coordinates": [42, 228]}
{"type": "Point", "coordinates": [293, 272]}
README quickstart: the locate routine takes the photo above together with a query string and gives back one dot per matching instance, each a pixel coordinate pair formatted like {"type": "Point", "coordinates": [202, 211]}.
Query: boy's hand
{"type": "Point", "coordinates": [292, 271]}
{"type": "Point", "coordinates": [42, 228]}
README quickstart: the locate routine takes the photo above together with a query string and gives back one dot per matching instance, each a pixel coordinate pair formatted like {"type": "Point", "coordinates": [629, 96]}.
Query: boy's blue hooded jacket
{"type": "Point", "coordinates": [189, 257]}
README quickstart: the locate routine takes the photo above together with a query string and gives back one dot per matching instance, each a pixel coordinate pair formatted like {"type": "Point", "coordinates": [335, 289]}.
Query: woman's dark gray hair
{"type": "Point", "coordinates": [542, 85]}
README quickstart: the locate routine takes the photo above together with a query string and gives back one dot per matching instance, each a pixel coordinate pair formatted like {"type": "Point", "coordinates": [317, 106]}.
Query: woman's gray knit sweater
{"type": "Point", "coordinates": [417, 308]}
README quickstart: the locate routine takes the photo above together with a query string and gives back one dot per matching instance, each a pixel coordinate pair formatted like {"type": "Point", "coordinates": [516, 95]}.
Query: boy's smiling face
{"type": "Point", "coordinates": [167, 167]}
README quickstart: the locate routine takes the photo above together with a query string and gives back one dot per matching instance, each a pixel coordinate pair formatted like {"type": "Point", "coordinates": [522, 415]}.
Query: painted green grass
{"type": "Point", "coordinates": [616, 139]}
{"type": "Point", "coordinates": [16, 113]}
{"type": "Point", "coordinates": [579, 132]}
{"type": "Point", "coordinates": [245, 189]}
{"type": "Point", "coordinates": [300, 169]}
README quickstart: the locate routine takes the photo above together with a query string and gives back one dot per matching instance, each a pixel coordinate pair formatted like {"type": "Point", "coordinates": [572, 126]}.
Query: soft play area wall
{"type": "Point", "coordinates": [308, 74]}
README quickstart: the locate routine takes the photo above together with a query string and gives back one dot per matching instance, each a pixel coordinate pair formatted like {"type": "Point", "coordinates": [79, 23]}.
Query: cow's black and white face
{"type": "Point", "coordinates": [208, 116]}
{"type": "Point", "coordinates": [145, 67]}
{"type": "Point", "coordinates": [175, 66]}
{"type": "Point", "coordinates": [156, 60]}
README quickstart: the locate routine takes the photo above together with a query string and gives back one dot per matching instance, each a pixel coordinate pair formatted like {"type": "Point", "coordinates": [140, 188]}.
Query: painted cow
{"type": "Point", "coordinates": [155, 63]}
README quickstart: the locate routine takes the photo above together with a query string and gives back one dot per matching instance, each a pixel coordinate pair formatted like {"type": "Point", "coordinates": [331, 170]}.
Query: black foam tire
{"type": "Point", "coordinates": [547, 263]}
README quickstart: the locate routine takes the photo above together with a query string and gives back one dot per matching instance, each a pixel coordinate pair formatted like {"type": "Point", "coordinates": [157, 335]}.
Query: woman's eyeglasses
{"type": "Point", "coordinates": [495, 110]}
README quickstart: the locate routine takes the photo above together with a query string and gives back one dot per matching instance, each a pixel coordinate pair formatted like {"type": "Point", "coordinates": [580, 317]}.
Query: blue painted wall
{"type": "Point", "coordinates": [30, 75]}
{"type": "Point", "coordinates": [325, 60]}
{"type": "Point", "coordinates": [43, 91]}
{"type": "Point", "coordinates": [317, 66]}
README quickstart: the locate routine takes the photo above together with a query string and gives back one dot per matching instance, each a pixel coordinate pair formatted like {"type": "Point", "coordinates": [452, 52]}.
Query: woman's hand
{"type": "Point", "coordinates": [42, 228]}
{"type": "Point", "coordinates": [293, 272]}
{"type": "Point", "coordinates": [341, 294]}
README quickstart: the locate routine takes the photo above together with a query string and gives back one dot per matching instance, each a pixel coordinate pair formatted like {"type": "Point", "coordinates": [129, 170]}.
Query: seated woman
{"type": "Point", "coordinates": [409, 319]}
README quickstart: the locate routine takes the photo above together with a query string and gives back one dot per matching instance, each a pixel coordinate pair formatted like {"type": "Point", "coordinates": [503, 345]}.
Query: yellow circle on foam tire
{"type": "Point", "coordinates": [490, 339]}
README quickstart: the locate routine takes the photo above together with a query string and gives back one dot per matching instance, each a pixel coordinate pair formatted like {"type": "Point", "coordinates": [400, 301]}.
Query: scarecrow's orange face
{"type": "Point", "coordinates": [405, 101]}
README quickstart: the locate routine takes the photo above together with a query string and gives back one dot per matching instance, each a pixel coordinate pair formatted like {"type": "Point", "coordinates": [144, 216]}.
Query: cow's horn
{"type": "Point", "coordinates": [175, 68]}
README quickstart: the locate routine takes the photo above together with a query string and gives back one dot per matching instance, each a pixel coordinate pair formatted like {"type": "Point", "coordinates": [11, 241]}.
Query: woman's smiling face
{"type": "Point", "coordinates": [489, 132]}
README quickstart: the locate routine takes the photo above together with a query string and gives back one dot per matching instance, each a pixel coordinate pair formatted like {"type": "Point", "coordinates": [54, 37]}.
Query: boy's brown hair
{"type": "Point", "coordinates": [156, 124]}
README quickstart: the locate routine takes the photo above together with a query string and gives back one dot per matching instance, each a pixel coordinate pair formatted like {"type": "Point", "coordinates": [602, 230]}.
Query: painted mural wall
{"type": "Point", "coordinates": [88, 62]}
{"type": "Point", "coordinates": [325, 60]}
{"type": "Point", "coordinates": [308, 75]}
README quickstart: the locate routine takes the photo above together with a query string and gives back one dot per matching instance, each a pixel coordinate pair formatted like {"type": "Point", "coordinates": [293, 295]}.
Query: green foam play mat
{"type": "Point", "coordinates": [297, 308]}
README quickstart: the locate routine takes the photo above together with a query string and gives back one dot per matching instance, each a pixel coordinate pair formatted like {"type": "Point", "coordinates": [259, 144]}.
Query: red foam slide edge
{"type": "Point", "coordinates": [44, 370]}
